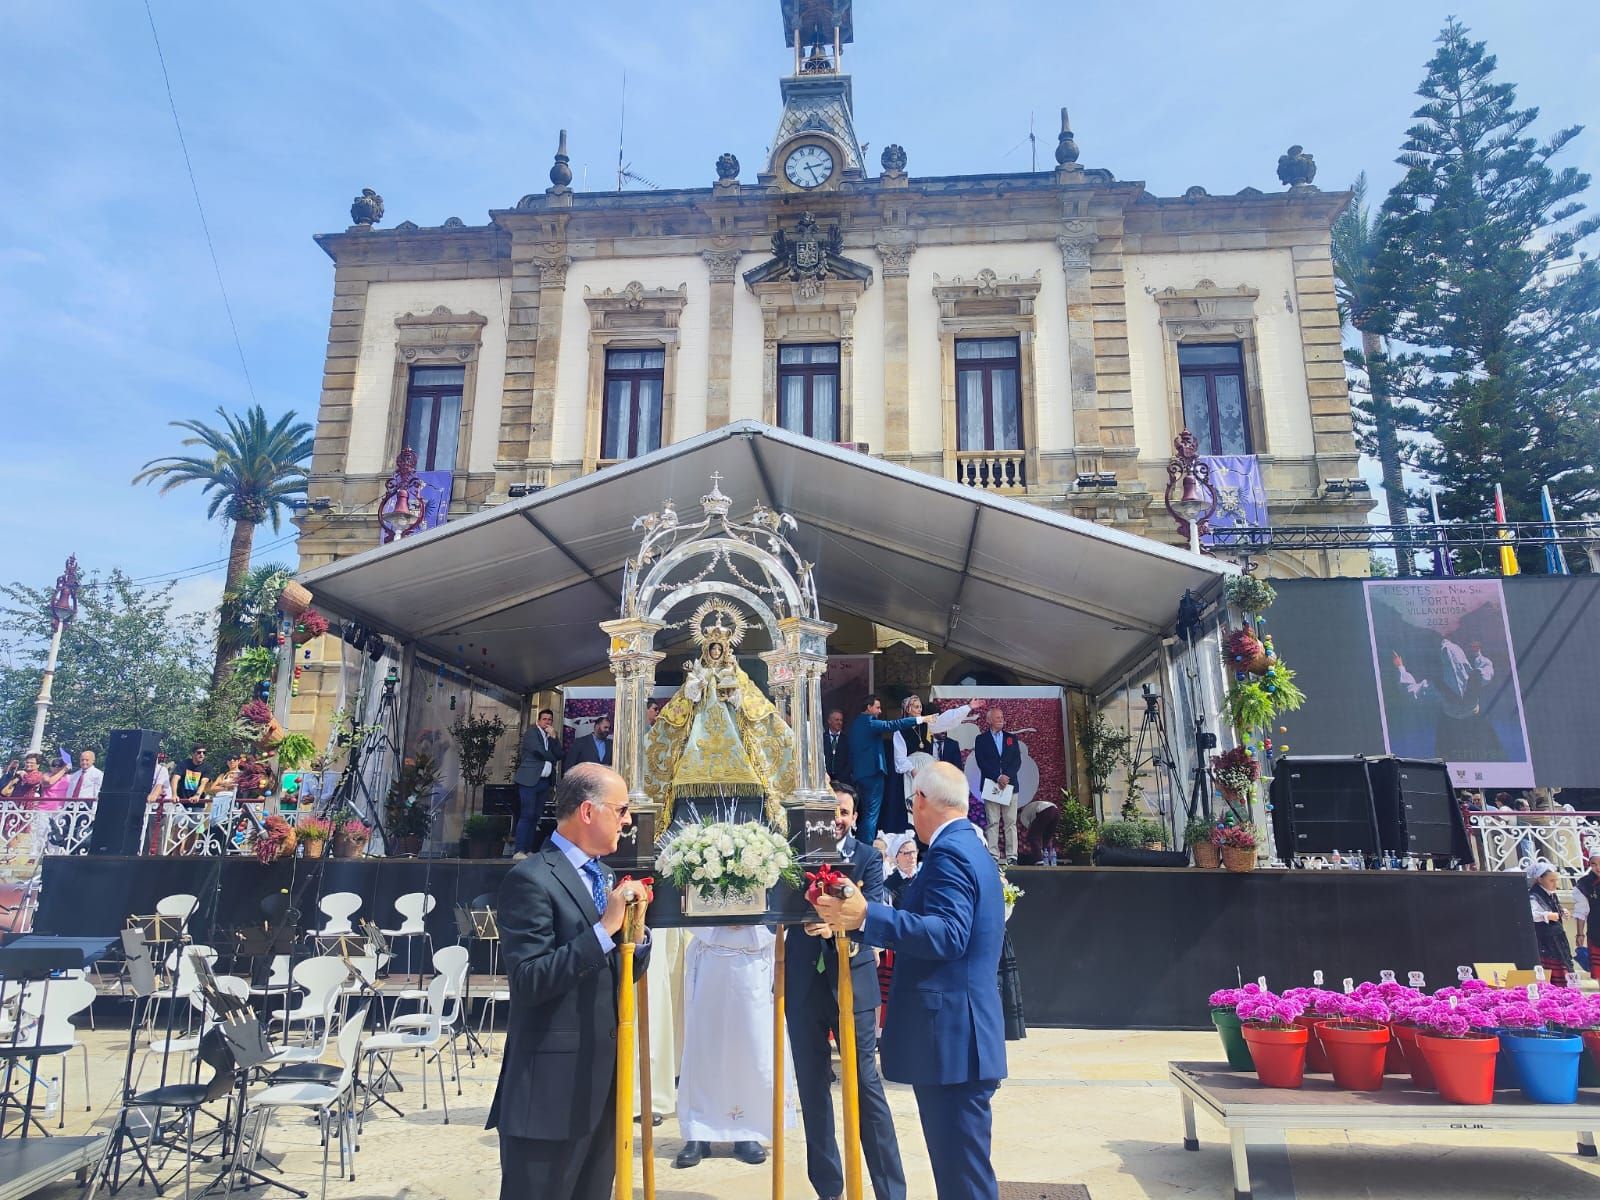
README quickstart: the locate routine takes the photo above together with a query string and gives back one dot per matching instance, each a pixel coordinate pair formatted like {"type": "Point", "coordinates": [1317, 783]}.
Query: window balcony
{"type": "Point", "coordinates": [1004, 471]}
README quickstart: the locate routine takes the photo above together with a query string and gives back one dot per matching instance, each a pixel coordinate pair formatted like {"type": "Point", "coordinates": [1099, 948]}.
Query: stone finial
{"type": "Point", "coordinates": [1296, 168]}
{"type": "Point", "coordinates": [561, 172]}
{"type": "Point", "coordinates": [1066, 147]}
{"type": "Point", "coordinates": [367, 208]}
{"type": "Point", "coordinates": [727, 167]}
{"type": "Point", "coordinates": [893, 158]}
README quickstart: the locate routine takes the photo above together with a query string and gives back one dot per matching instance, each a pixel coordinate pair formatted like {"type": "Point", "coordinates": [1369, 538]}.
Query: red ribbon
{"type": "Point", "coordinates": [824, 879]}
{"type": "Point", "coordinates": [649, 886]}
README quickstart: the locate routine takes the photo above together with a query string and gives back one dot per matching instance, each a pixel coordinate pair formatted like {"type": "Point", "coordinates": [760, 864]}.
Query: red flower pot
{"type": "Point", "coordinates": [1356, 1051]}
{"type": "Point", "coordinates": [1463, 1067]}
{"type": "Point", "coordinates": [1394, 1059]}
{"type": "Point", "coordinates": [1591, 1044]}
{"type": "Point", "coordinates": [1316, 1060]}
{"type": "Point", "coordinates": [1421, 1073]}
{"type": "Point", "coordinates": [1279, 1054]}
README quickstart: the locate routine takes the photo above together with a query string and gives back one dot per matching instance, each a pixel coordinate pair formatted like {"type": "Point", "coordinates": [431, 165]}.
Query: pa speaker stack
{"type": "Point", "coordinates": [129, 775]}
{"type": "Point", "coordinates": [1382, 805]}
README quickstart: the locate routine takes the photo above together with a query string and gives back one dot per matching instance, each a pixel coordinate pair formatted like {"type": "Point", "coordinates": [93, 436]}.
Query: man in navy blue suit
{"type": "Point", "coordinates": [868, 767]}
{"type": "Point", "coordinates": [999, 757]}
{"type": "Point", "coordinates": [944, 1034]}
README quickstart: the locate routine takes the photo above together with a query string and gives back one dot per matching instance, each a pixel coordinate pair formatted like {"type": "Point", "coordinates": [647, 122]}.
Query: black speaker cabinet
{"type": "Point", "coordinates": [500, 798]}
{"type": "Point", "coordinates": [1416, 808]}
{"type": "Point", "coordinates": [131, 761]}
{"type": "Point", "coordinates": [118, 821]}
{"type": "Point", "coordinates": [1323, 804]}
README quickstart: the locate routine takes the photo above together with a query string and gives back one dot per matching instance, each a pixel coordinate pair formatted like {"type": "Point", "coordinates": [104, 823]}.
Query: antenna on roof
{"type": "Point", "coordinates": [622, 125]}
{"type": "Point", "coordinates": [1033, 144]}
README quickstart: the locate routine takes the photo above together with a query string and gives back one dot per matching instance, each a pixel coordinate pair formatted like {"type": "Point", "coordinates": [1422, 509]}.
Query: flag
{"type": "Point", "coordinates": [1508, 556]}
{"type": "Point", "coordinates": [1555, 562]}
{"type": "Point", "coordinates": [1443, 568]}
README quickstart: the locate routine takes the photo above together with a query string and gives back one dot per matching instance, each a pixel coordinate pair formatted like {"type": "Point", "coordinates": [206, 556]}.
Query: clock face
{"type": "Point", "coordinates": [808, 166]}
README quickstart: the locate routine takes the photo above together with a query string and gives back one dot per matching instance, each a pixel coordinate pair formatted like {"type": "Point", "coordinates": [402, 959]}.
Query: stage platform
{"type": "Point", "coordinates": [1115, 948]}
{"type": "Point", "coordinates": [28, 1164]}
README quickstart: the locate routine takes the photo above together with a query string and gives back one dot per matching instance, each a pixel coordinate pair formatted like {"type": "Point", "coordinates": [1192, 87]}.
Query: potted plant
{"type": "Point", "coordinates": [1571, 1011]}
{"type": "Point", "coordinates": [313, 833]}
{"type": "Point", "coordinates": [1010, 892]}
{"type": "Point", "coordinates": [309, 624]}
{"type": "Point", "coordinates": [476, 737]}
{"type": "Point", "coordinates": [1249, 594]}
{"type": "Point", "coordinates": [1076, 831]}
{"type": "Point", "coordinates": [484, 834]}
{"type": "Point", "coordinates": [350, 837]}
{"type": "Point", "coordinates": [1197, 836]}
{"type": "Point", "coordinates": [1104, 748]}
{"type": "Point", "coordinates": [726, 868]}
{"type": "Point", "coordinates": [1546, 1059]}
{"type": "Point", "coordinates": [1246, 652]}
{"type": "Point", "coordinates": [1237, 840]}
{"type": "Point", "coordinates": [1403, 1025]}
{"type": "Point", "coordinates": [294, 751]}
{"type": "Point", "coordinates": [1128, 843]}
{"type": "Point", "coordinates": [408, 811]}
{"type": "Point", "coordinates": [1236, 772]}
{"type": "Point", "coordinates": [276, 840]}
{"type": "Point", "coordinates": [1224, 1005]}
{"type": "Point", "coordinates": [1320, 1005]}
{"type": "Point", "coordinates": [1277, 1044]}
{"type": "Point", "coordinates": [1460, 1057]}
{"type": "Point", "coordinates": [1356, 1043]}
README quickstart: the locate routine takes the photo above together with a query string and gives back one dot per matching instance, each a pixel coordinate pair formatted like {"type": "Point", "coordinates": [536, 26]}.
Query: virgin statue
{"type": "Point", "coordinates": [719, 740]}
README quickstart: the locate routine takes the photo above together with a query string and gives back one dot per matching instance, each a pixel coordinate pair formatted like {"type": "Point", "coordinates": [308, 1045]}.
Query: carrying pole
{"type": "Point", "coordinates": [777, 1066]}
{"type": "Point", "coordinates": [849, 1083]}
{"type": "Point", "coordinates": [647, 1132]}
{"type": "Point", "coordinates": [625, 1060]}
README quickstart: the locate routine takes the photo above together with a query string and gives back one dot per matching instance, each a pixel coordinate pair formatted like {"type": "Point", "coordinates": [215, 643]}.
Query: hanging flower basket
{"type": "Point", "coordinates": [1247, 652]}
{"type": "Point", "coordinates": [310, 624]}
{"type": "Point", "coordinates": [1206, 855]}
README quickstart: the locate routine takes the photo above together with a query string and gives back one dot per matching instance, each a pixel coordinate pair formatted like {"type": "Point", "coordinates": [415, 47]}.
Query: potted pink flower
{"type": "Point", "coordinates": [1225, 1016]}
{"type": "Point", "coordinates": [1276, 1043]}
{"type": "Point", "coordinates": [1460, 1057]}
{"type": "Point", "coordinates": [1320, 1005]}
{"type": "Point", "coordinates": [1357, 1043]}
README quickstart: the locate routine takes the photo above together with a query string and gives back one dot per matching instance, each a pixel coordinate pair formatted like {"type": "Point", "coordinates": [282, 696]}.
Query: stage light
{"type": "Point", "coordinates": [375, 647]}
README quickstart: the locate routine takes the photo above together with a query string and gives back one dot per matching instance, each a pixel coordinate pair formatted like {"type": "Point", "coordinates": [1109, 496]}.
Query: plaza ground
{"type": "Point", "coordinates": [1089, 1107]}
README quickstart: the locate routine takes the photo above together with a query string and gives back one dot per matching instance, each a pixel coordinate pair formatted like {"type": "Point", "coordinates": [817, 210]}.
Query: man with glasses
{"type": "Point", "coordinates": [560, 914]}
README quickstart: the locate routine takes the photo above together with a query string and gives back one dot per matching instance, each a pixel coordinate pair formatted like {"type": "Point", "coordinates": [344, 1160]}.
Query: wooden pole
{"type": "Point", "coordinates": [777, 1066]}
{"type": "Point", "coordinates": [849, 1083]}
{"type": "Point", "coordinates": [625, 1060]}
{"type": "Point", "coordinates": [647, 1116]}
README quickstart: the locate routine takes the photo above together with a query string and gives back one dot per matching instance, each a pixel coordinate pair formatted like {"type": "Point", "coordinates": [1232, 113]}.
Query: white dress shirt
{"type": "Point", "coordinates": [85, 785]}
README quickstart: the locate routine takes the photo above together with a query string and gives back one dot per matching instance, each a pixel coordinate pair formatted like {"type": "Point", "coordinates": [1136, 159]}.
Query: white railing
{"type": "Point", "coordinates": [1514, 841]}
{"type": "Point", "coordinates": [28, 833]}
{"type": "Point", "coordinates": [221, 827]}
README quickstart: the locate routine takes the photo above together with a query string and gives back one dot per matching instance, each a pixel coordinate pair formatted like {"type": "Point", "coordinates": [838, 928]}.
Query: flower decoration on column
{"type": "Point", "coordinates": [1190, 497]}
{"type": "Point", "coordinates": [402, 510]}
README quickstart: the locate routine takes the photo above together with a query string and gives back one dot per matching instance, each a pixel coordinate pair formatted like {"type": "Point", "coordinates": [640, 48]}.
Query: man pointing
{"type": "Point", "coordinates": [944, 1034]}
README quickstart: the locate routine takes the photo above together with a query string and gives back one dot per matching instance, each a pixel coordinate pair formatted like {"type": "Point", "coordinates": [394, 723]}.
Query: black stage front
{"type": "Point", "coordinates": [1121, 947]}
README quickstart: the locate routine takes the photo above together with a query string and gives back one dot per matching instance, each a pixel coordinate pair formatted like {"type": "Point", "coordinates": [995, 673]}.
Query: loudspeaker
{"type": "Point", "coordinates": [1416, 808]}
{"type": "Point", "coordinates": [118, 821]}
{"type": "Point", "coordinates": [131, 761]}
{"type": "Point", "coordinates": [500, 798]}
{"type": "Point", "coordinates": [1323, 804]}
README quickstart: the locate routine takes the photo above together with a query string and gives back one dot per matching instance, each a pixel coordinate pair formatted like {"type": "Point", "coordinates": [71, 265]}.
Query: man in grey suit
{"type": "Point", "coordinates": [539, 757]}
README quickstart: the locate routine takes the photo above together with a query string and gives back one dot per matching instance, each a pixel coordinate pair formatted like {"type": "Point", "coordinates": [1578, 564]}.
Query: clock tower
{"type": "Point", "coordinates": [815, 147]}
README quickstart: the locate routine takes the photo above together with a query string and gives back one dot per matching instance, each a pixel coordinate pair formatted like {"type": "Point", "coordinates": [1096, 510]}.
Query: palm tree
{"type": "Point", "coordinates": [253, 470]}
{"type": "Point", "coordinates": [1358, 241]}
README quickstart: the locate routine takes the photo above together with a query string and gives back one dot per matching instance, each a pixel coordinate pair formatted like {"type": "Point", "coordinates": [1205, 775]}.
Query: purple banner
{"type": "Point", "coordinates": [1448, 678]}
{"type": "Point", "coordinates": [435, 498]}
{"type": "Point", "coordinates": [1241, 500]}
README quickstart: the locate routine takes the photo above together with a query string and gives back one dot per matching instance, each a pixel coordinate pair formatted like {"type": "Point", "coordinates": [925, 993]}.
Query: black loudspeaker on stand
{"type": "Point", "coordinates": [1370, 806]}
{"type": "Point", "coordinates": [129, 776]}
{"type": "Point", "coordinates": [1416, 808]}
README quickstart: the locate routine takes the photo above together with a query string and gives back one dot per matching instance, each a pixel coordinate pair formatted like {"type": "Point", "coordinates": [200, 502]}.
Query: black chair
{"type": "Point", "coordinates": [188, 1098]}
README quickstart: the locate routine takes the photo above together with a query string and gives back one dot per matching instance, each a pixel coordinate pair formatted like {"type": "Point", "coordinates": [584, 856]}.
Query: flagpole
{"type": "Point", "coordinates": [1555, 558]}
{"type": "Point", "coordinates": [1441, 551]}
{"type": "Point", "coordinates": [1508, 555]}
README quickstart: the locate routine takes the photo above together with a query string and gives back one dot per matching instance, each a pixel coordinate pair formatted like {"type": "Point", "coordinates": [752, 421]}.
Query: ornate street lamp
{"type": "Point", "coordinates": [1190, 497]}
{"type": "Point", "coordinates": [63, 607]}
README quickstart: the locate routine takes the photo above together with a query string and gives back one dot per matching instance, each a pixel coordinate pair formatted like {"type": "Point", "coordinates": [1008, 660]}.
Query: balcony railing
{"type": "Point", "coordinates": [993, 470]}
{"type": "Point", "coordinates": [27, 833]}
{"type": "Point", "coordinates": [1514, 842]}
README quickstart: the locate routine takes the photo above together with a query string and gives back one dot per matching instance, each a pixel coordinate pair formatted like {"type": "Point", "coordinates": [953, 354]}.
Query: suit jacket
{"type": "Point", "coordinates": [866, 744]}
{"type": "Point", "coordinates": [947, 749]}
{"type": "Point", "coordinates": [836, 756]}
{"type": "Point", "coordinates": [560, 1059]}
{"type": "Point", "coordinates": [538, 748]}
{"type": "Point", "coordinates": [944, 1024]}
{"type": "Point", "coordinates": [806, 988]}
{"type": "Point", "coordinates": [586, 749]}
{"type": "Point", "coordinates": [994, 763]}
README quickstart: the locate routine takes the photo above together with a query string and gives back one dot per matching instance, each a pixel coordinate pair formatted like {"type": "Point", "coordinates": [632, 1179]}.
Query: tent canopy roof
{"type": "Point", "coordinates": [515, 594]}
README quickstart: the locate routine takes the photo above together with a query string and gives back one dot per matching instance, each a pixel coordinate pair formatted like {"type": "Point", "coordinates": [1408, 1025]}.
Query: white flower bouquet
{"type": "Point", "coordinates": [724, 857]}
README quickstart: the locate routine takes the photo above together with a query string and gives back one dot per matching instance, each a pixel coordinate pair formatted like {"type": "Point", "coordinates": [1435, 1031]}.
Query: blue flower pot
{"type": "Point", "coordinates": [1505, 1067]}
{"type": "Point", "coordinates": [1547, 1064]}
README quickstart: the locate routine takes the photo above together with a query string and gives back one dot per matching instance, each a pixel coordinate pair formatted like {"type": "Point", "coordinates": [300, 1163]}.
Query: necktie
{"type": "Point", "coordinates": [77, 787]}
{"type": "Point", "coordinates": [597, 885]}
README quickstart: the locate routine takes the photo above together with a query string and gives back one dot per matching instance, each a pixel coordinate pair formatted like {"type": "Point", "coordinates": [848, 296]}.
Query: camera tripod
{"type": "Point", "coordinates": [382, 738]}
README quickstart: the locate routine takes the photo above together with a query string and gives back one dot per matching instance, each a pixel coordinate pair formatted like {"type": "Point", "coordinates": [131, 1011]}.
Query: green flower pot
{"type": "Point", "coordinates": [1227, 1023]}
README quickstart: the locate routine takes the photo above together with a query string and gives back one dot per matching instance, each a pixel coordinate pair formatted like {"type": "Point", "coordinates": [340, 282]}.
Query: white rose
{"type": "Point", "coordinates": [725, 845]}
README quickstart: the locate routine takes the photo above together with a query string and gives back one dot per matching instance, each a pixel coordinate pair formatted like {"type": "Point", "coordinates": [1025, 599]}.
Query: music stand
{"type": "Point", "coordinates": [142, 977]}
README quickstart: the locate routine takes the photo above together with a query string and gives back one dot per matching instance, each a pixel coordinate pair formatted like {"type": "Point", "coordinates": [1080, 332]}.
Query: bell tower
{"type": "Point", "coordinates": [815, 147]}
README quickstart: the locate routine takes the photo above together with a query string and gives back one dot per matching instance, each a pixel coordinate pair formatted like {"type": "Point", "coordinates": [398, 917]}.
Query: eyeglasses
{"type": "Point", "coordinates": [620, 809]}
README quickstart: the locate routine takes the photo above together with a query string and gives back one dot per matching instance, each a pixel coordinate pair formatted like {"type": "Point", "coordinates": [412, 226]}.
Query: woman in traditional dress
{"type": "Point", "coordinates": [1555, 952]}
{"type": "Point", "coordinates": [903, 746]}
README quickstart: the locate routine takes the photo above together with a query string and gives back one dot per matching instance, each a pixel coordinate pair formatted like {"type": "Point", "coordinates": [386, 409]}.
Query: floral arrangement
{"type": "Point", "coordinates": [1319, 1002]}
{"type": "Point", "coordinates": [723, 857]}
{"type": "Point", "coordinates": [1236, 769]}
{"type": "Point", "coordinates": [1244, 648]}
{"type": "Point", "coordinates": [1442, 1019]}
{"type": "Point", "coordinates": [310, 624]}
{"type": "Point", "coordinates": [254, 777]}
{"type": "Point", "coordinates": [1249, 593]}
{"type": "Point", "coordinates": [1010, 891]}
{"type": "Point", "coordinates": [276, 840]}
{"type": "Point", "coordinates": [355, 830]}
{"type": "Point", "coordinates": [1267, 1011]}
{"type": "Point", "coordinates": [314, 829]}
{"type": "Point", "coordinates": [1240, 835]}
{"type": "Point", "coordinates": [256, 725]}
{"type": "Point", "coordinates": [1362, 1010]}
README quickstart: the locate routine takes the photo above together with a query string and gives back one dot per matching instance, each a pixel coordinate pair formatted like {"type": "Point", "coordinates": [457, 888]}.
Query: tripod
{"type": "Point", "coordinates": [382, 738]}
{"type": "Point", "coordinates": [1152, 737]}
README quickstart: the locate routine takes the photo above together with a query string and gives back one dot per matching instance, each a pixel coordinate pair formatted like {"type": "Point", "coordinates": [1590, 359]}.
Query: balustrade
{"type": "Point", "coordinates": [993, 470]}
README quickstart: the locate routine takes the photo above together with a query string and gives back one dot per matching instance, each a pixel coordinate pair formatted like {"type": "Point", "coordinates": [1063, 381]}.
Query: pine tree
{"type": "Point", "coordinates": [1492, 293]}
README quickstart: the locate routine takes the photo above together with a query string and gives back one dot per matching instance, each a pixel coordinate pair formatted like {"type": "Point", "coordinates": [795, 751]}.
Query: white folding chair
{"type": "Point", "coordinates": [181, 961]}
{"type": "Point", "coordinates": [53, 1005]}
{"type": "Point", "coordinates": [451, 965]}
{"type": "Point", "coordinates": [427, 1042]}
{"type": "Point", "coordinates": [339, 908]}
{"type": "Point", "coordinates": [413, 908]}
{"type": "Point", "coordinates": [320, 979]}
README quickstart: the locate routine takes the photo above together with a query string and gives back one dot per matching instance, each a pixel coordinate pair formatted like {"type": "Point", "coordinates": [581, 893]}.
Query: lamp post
{"type": "Point", "coordinates": [1190, 497]}
{"type": "Point", "coordinates": [63, 607]}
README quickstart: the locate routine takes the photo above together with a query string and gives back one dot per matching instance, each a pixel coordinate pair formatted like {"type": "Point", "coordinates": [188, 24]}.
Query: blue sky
{"type": "Point", "coordinates": [111, 322]}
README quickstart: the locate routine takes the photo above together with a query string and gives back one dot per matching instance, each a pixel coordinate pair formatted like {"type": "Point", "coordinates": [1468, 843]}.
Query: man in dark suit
{"type": "Point", "coordinates": [868, 767]}
{"type": "Point", "coordinates": [999, 756]}
{"type": "Point", "coordinates": [537, 761]}
{"type": "Point", "coordinates": [836, 749]}
{"type": "Point", "coordinates": [947, 749]}
{"type": "Point", "coordinates": [944, 1034]}
{"type": "Point", "coordinates": [559, 916]}
{"type": "Point", "coordinates": [593, 747]}
{"type": "Point", "coordinates": [811, 1011]}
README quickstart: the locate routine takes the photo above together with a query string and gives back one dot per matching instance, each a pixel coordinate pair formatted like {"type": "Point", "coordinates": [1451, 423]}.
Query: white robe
{"type": "Point", "coordinates": [725, 1082]}
{"type": "Point", "coordinates": [664, 982]}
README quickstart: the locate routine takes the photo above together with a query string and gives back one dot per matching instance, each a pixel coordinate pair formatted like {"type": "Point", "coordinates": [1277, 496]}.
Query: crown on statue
{"type": "Point", "coordinates": [718, 621]}
{"type": "Point", "coordinates": [714, 502]}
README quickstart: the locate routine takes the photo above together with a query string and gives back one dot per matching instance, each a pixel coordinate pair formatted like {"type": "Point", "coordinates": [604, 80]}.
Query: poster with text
{"type": "Point", "coordinates": [1447, 678]}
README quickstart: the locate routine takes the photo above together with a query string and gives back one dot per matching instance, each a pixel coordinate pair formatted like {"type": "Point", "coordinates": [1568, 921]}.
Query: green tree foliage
{"type": "Point", "coordinates": [1488, 284]}
{"type": "Point", "coordinates": [127, 661]}
{"type": "Point", "coordinates": [249, 616]}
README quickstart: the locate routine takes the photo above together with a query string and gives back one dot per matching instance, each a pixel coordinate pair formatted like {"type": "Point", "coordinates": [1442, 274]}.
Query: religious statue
{"type": "Point", "coordinates": [719, 739]}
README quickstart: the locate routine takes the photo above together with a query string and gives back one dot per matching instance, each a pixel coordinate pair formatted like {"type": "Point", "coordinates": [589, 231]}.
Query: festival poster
{"type": "Point", "coordinates": [1447, 678]}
